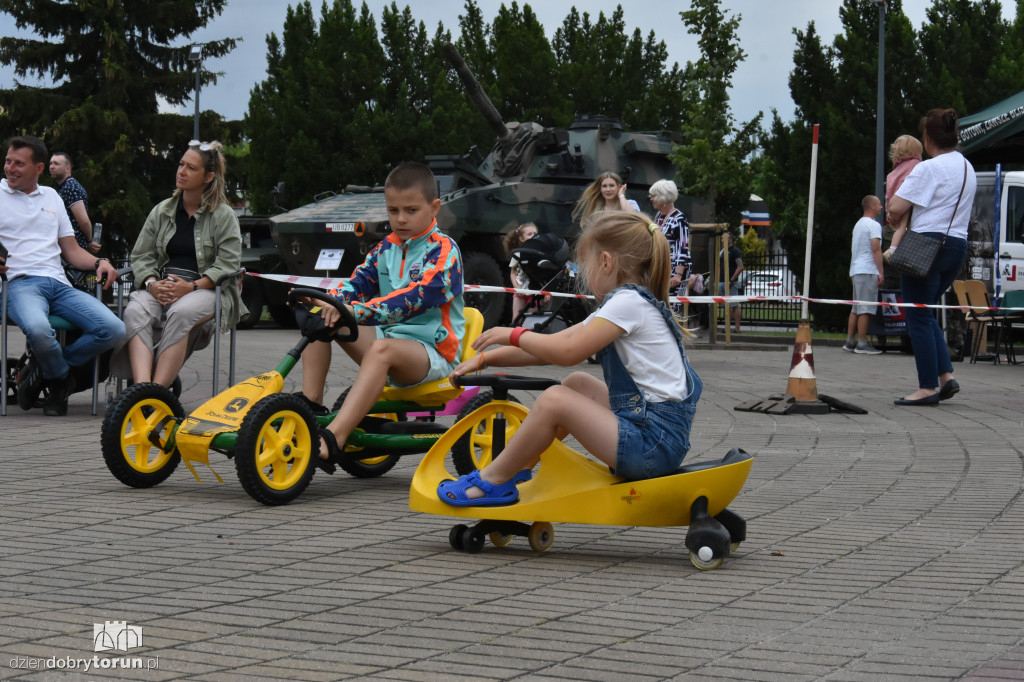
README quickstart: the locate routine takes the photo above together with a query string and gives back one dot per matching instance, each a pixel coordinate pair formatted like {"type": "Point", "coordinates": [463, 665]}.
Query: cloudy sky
{"type": "Point", "coordinates": [760, 83]}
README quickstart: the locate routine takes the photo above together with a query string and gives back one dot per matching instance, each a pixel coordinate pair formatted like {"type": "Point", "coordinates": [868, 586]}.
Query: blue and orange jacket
{"type": "Point", "coordinates": [411, 289]}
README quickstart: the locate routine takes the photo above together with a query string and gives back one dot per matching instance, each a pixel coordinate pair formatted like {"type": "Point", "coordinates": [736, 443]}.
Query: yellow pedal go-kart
{"type": "Point", "coordinates": [571, 488]}
{"type": "Point", "coordinates": [272, 436]}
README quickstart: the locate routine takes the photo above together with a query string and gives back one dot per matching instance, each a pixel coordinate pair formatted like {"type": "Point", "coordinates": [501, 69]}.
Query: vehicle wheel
{"type": "Point", "coordinates": [479, 268]}
{"type": "Point", "coordinates": [499, 539]}
{"type": "Point", "coordinates": [473, 450]}
{"type": "Point", "coordinates": [282, 315]}
{"type": "Point", "coordinates": [274, 451]}
{"type": "Point", "coordinates": [455, 536]}
{"type": "Point", "coordinates": [252, 297]}
{"type": "Point", "coordinates": [472, 540]}
{"type": "Point", "coordinates": [709, 565]}
{"type": "Point", "coordinates": [541, 536]}
{"type": "Point", "coordinates": [125, 437]}
{"type": "Point", "coordinates": [375, 464]}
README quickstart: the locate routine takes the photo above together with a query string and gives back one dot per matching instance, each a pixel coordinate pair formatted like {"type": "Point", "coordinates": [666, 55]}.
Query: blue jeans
{"type": "Point", "coordinates": [31, 299]}
{"type": "Point", "coordinates": [930, 351]}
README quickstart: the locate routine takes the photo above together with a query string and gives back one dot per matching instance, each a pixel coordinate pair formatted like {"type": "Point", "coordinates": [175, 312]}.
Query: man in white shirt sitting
{"type": "Point", "coordinates": [36, 232]}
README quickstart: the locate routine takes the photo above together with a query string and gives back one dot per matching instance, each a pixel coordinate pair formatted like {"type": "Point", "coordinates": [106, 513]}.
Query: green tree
{"type": "Point", "coordinates": [311, 122]}
{"type": "Point", "coordinates": [108, 63]}
{"type": "Point", "coordinates": [712, 157]}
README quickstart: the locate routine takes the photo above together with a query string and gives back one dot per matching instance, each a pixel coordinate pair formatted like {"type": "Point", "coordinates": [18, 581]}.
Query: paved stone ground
{"type": "Point", "coordinates": [881, 546]}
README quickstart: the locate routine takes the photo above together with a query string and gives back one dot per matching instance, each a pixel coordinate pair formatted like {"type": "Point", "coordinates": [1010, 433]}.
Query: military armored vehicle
{"type": "Point", "coordinates": [532, 174]}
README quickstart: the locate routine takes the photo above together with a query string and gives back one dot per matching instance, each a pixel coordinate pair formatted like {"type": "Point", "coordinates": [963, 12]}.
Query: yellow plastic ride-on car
{"type": "Point", "coordinates": [272, 436]}
{"type": "Point", "coordinates": [569, 487]}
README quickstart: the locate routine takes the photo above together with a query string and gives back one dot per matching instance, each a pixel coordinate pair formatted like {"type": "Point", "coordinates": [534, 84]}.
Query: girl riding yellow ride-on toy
{"type": "Point", "coordinates": [272, 436]}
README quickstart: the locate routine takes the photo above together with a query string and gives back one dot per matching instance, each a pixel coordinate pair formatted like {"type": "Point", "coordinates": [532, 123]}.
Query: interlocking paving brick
{"type": "Point", "coordinates": [880, 546]}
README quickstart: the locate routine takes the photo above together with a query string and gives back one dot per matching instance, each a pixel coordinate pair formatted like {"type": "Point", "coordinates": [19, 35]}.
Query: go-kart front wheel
{"type": "Point", "coordinates": [274, 450]}
{"type": "Point", "coordinates": [474, 449]}
{"type": "Point", "coordinates": [134, 433]}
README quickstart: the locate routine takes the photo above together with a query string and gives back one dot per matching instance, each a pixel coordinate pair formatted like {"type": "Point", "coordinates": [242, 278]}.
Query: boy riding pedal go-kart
{"type": "Point", "coordinates": [272, 436]}
{"type": "Point", "coordinates": [403, 312]}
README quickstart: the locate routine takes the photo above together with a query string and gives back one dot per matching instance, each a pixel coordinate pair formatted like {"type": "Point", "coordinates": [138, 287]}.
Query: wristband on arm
{"type": "Point", "coordinates": [513, 338]}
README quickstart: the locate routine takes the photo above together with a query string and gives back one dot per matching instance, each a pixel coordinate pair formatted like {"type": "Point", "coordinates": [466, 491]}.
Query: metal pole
{"type": "Point", "coordinates": [880, 124]}
{"type": "Point", "coordinates": [804, 313]}
{"type": "Point", "coordinates": [195, 122]}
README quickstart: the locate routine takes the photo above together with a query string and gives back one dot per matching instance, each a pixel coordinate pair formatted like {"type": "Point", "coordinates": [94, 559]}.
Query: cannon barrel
{"type": "Point", "coordinates": [476, 92]}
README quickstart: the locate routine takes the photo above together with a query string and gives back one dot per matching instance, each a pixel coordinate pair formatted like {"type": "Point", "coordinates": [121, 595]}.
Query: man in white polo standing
{"type": "Point", "coordinates": [866, 273]}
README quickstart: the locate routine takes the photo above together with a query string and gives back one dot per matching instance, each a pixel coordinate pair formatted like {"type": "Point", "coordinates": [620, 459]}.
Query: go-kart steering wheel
{"type": "Point", "coordinates": [312, 323]}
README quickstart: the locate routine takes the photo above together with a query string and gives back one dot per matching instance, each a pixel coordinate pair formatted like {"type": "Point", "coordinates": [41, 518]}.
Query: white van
{"type": "Point", "coordinates": [997, 219]}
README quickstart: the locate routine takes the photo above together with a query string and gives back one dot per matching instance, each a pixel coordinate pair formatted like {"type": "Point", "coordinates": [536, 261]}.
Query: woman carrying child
{"type": "Point", "coordinates": [518, 237]}
{"type": "Point", "coordinates": [637, 421]}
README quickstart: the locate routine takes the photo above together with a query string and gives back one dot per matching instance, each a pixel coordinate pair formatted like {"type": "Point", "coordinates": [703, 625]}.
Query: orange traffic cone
{"type": "Point", "coordinates": [802, 384]}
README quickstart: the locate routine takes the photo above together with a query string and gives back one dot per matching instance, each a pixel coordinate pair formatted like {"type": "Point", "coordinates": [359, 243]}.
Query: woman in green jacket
{"type": "Point", "coordinates": [188, 242]}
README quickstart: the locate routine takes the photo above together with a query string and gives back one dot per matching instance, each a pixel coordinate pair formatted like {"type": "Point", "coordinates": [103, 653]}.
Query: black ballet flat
{"type": "Point", "coordinates": [949, 389]}
{"type": "Point", "coordinates": [932, 399]}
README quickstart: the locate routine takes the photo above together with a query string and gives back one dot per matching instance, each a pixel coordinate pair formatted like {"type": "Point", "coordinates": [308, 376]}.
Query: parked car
{"type": "Point", "coordinates": [770, 283]}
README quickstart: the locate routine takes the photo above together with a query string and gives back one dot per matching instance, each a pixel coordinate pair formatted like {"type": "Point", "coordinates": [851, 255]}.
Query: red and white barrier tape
{"type": "Point", "coordinates": [328, 283]}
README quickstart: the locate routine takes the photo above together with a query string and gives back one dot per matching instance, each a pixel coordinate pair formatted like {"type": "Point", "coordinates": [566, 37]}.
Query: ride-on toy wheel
{"type": "Point", "coordinates": [274, 451]}
{"type": "Point", "coordinates": [134, 433]}
{"type": "Point", "coordinates": [371, 466]}
{"type": "Point", "coordinates": [541, 536]}
{"type": "Point", "coordinates": [475, 449]}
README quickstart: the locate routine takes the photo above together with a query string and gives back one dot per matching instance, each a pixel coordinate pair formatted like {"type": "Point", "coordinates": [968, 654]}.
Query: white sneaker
{"type": "Point", "coordinates": [866, 349]}
{"type": "Point", "coordinates": [848, 348]}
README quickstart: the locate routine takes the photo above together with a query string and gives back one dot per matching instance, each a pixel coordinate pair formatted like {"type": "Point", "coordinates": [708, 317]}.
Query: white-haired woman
{"type": "Point", "coordinates": [674, 226]}
{"type": "Point", "coordinates": [188, 242]}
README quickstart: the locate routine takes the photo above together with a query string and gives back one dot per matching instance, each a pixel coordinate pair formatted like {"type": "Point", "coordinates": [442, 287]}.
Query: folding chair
{"type": "Point", "coordinates": [1010, 299]}
{"type": "Point", "coordinates": [980, 315]}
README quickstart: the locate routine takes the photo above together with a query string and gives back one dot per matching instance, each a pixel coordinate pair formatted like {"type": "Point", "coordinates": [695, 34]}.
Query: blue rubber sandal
{"type": "Point", "coordinates": [454, 492]}
{"type": "Point", "coordinates": [523, 476]}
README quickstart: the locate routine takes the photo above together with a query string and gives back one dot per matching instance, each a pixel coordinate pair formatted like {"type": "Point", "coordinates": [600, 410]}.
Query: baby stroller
{"type": "Point", "coordinates": [544, 264]}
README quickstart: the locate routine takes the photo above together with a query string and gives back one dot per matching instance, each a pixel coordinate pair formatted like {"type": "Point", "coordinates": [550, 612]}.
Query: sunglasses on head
{"type": "Point", "coordinates": [201, 146]}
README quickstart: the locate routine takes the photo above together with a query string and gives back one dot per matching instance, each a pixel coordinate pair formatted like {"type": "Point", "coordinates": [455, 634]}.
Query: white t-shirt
{"type": "Point", "coordinates": [647, 347]}
{"type": "Point", "coordinates": [862, 259]}
{"type": "Point", "coordinates": [30, 225]}
{"type": "Point", "coordinates": [933, 187]}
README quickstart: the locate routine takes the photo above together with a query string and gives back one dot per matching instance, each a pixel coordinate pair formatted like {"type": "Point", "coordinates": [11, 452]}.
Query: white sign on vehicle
{"type": "Point", "coordinates": [329, 259]}
{"type": "Point", "coordinates": [341, 227]}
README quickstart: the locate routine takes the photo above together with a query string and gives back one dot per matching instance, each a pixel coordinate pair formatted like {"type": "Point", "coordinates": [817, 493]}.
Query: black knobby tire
{"type": "Point", "coordinates": [374, 463]}
{"type": "Point", "coordinates": [252, 297]}
{"type": "Point", "coordinates": [479, 268]}
{"type": "Point", "coordinates": [125, 435]}
{"type": "Point", "coordinates": [464, 459]}
{"type": "Point", "coordinates": [281, 432]}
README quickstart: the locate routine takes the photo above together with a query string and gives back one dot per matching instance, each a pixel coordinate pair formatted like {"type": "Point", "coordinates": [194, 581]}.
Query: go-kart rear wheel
{"type": "Point", "coordinates": [373, 465]}
{"type": "Point", "coordinates": [474, 449]}
{"type": "Point", "coordinates": [541, 536]}
{"type": "Point", "coordinates": [273, 453]}
{"type": "Point", "coordinates": [140, 416]}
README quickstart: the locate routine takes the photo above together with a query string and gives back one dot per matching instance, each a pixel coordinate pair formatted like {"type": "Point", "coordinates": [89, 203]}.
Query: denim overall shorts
{"type": "Point", "coordinates": [653, 437]}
